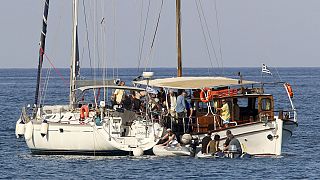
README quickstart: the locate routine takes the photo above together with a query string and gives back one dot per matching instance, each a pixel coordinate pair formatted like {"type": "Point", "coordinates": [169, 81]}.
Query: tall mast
{"type": "Point", "coordinates": [41, 51]}
{"type": "Point", "coordinates": [178, 35]}
{"type": "Point", "coordinates": [74, 68]}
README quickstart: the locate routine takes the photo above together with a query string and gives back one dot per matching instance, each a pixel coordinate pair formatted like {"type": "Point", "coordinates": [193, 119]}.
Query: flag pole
{"type": "Point", "coordinates": [261, 77]}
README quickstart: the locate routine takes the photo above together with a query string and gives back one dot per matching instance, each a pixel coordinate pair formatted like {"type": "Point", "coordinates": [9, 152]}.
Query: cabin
{"type": "Point", "coordinates": [247, 104]}
{"type": "Point", "coordinates": [243, 109]}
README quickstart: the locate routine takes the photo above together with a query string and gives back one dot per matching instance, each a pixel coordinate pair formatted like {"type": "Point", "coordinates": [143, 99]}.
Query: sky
{"type": "Point", "coordinates": [279, 33]}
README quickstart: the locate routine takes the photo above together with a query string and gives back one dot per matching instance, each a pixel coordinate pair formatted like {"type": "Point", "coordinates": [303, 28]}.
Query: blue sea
{"type": "Point", "coordinates": [300, 159]}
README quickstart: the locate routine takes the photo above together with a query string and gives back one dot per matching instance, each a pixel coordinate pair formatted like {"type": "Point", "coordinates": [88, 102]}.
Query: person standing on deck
{"type": "Point", "coordinates": [181, 110]}
{"type": "Point", "coordinates": [235, 110]}
{"type": "Point", "coordinates": [225, 112]}
{"type": "Point", "coordinates": [172, 103]}
{"type": "Point", "coordinates": [118, 94]}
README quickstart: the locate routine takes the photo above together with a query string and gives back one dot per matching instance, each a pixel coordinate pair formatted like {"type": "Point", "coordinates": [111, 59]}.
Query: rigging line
{"type": "Point", "coordinates": [104, 59]}
{"type": "Point", "coordinates": [114, 41]}
{"type": "Point", "coordinates": [87, 35]}
{"type": "Point", "coordinates": [55, 69]}
{"type": "Point", "coordinates": [144, 32]}
{"type": "Point", "coordinates": [45, 87]}
{"type": "Point", "coordinates": [140, 34]}
{"type": "Point", "coordinates": [44, 91]}
{"type": "Point", "coordinates": [219, 34]}
{"type": "Point", "coordinates": [209, 34]}
{"type": "Point", "coordinates": [204, 35]}
{"type": "Point", "coordinates": [157, 25]}
{"type": "Point", "coordinates": [94, 48]}
{"type": "Point", "coordinates": [278, 74]}
{"type": "Point", "coordinates": [155, 33]}
{"type": "Point", "coordinates": [99, 44]}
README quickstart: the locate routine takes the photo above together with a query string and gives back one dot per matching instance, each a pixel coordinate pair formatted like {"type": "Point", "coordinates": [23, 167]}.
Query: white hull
{"type": "Point", "coordinates": [88, 138]}
{"type": "Point", "coordinates": [160, 150]}
{"type": "Point", "coordinates": [260, 138]}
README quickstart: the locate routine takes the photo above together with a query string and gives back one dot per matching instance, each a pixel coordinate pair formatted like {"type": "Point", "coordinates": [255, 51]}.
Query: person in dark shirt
{"type": "Point", "coordinates": [127, 103]}
{"type": "Point", "coordinates": [205, 142]}
{"type": "Point", "coordinates": [231, 140]}
{"type": "Point", "coordinates": [229, 136]}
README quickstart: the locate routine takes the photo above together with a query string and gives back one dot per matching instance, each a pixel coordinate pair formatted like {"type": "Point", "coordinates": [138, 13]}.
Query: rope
{"type": "Point", "coordinates": [209, 34]}
{"type": "Point", "coordinates": [140, 30]}
{"type": "Point", "coordinates": [219, 35]}
{"type": "Point", "coordinates": [55, 69]}
{"type": "Point", "coordinates": [144, 34]}
{"type": "Point", "coordinates": [155, 33]}
{"type": "Point", "coordinates": [94, 47]}
{"type": "Point", "coordinates": [87, 34]}
{"type": "Point", "coordinates": [206, 43]}
{"type": "Point", "coordinates": [55, 39]}
{"type": "Point", "coordinates": [44, 91]}
{"type": "Point", "coordinates": [114, 42]}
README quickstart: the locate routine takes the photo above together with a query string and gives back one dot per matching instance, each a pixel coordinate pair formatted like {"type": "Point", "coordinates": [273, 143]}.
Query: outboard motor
{"type": "Point", "coordinates": [233, 151]}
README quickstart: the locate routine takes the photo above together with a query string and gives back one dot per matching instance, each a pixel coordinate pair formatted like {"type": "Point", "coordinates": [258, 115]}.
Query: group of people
{"type": "Point", "coordinates": [132, 101]}
{"type": "Point", "coordinates": [177, 107]}
{"type": "Point", "coordinates": [208, 145]}
{"type": "Point", "coordinates": [211, 146]}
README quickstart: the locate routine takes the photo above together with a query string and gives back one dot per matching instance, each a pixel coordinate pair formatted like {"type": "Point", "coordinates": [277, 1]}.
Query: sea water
{"type": "Point", "coordinates": [300, 158]}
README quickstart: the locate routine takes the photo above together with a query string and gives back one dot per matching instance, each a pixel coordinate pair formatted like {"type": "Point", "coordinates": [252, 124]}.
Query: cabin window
{"type": "Point", "coordinates": [265, 104]}
{"type": "Point", "coordinates": [243, 102]}
{"type": "Point", "coordinates": [202, 107]}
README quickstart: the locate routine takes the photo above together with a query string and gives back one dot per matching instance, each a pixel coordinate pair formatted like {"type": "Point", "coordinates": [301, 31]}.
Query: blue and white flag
{"type": "Point", "coordinates": [265, 69]}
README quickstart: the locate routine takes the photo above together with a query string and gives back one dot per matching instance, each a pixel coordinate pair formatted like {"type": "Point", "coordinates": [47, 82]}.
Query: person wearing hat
{"type": "Point", "coordinates": [171, 139]}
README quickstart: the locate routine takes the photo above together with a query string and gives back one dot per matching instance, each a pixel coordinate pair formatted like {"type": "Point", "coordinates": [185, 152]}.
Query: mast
{"type": "Point", "coordinates": [74, 68]}
{"type": "Point", "coordinates": [41, 52]}
{"type": "Point", "coordinates": [178, 35]}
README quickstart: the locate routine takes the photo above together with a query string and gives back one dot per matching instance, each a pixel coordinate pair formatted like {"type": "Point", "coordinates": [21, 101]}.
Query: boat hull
{"type": "Point", "coordinates": [160, 150]}
{"type": "Point", "coordinates": [88, 139]}
{"type": "Point", "coordinates": [260, 138]}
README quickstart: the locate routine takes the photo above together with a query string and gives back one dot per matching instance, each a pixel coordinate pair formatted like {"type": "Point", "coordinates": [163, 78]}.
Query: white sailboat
{"type": "Point", "coordinates": [73, 128]}
{"type": "Point", "coordinates": [261, 129]}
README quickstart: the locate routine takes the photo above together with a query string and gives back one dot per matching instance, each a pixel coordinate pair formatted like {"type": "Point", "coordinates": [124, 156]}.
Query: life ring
{"type": "Point", "coordinates": [289, 89]}
{"type": "Point", "coordinates": [84, 109]}
{"type": "Point", "coordinates": [203, 97]}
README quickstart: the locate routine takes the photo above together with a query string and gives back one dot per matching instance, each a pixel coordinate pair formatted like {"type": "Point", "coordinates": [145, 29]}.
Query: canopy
{"type": "Point", "coordinates": [193, 82]}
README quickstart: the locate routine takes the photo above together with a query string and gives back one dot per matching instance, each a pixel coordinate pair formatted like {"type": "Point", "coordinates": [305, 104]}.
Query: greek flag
{"type": "Point", "coordinates": [265, 69]}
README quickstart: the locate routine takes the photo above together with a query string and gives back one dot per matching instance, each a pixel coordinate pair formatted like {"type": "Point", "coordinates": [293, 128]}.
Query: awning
{"type": "Point", "coordinates": [193, 82]}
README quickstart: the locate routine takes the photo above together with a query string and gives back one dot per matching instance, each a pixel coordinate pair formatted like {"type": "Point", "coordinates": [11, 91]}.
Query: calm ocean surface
{"type": "Point", "coordinates": [300, 159]}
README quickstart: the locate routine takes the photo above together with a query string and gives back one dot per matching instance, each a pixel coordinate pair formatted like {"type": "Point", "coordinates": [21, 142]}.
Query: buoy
{"type": "Point", "coordinates": [186, 139]}
{"type": "Point", "coordinates": [20, 128]}
{"type": "Point", "coordinates": [44, 128]}
{"type": "Point", "coordinates": [137, 152]}
{"type": "Point", "coordinates": [29, 131]}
